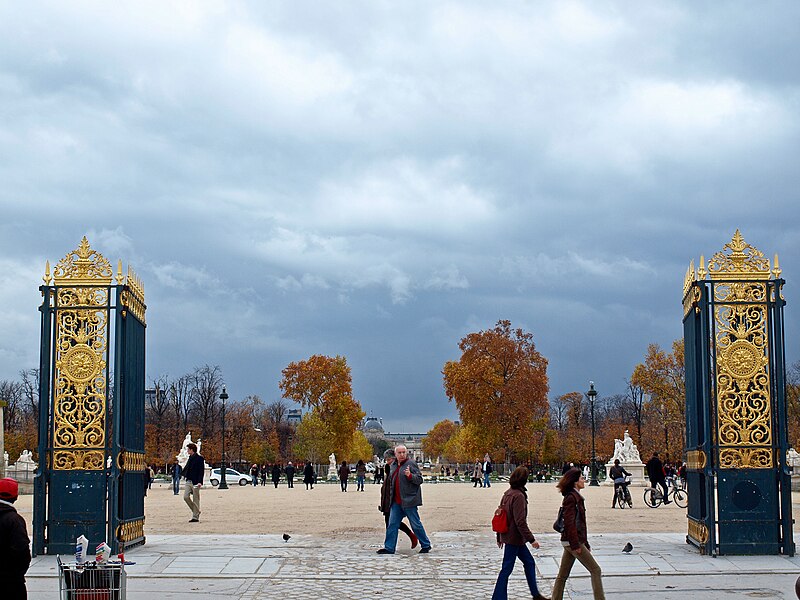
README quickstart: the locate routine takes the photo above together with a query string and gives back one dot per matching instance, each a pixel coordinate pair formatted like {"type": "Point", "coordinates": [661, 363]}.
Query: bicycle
{"type": "Point", "coordinates": [622, 495]}
{"type": "Point", "coordinates": [654, 497]}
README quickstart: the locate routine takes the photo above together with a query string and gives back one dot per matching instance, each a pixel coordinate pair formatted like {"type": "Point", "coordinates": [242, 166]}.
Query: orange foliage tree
{"type": "Point", "coordinates": [500, 387]}
{"type": "Point", "coordinates": [436, 439]}
{"type": "Point", "coordinates": [324, 384]}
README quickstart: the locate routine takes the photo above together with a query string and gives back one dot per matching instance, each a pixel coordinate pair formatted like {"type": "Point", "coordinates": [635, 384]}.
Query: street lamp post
{"type": "Point", "coordinates": [223, 480]}
{"type": "Point", "coordinates": [592, 395]}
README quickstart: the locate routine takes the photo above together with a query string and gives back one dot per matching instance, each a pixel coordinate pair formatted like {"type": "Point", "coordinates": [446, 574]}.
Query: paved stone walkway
{"type": "Point", "coordinates": [463, 565]}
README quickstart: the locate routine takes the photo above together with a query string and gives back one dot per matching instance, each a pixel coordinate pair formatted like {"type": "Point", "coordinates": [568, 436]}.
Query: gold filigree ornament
{"type": "Point", "coordinates": [744, 426]}
{"type": "Point", "coordinates": [698, 531]}
{"type": "Point", "coordinates": [83, 279]}
{"type": "Point", "coordinates": [743, 261]}
{"type": "Point", "coordinates": [83, 266]}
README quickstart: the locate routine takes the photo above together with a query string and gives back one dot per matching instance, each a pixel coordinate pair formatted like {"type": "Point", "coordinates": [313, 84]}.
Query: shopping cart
{"type": "Point", "coordinates": [91, 581]}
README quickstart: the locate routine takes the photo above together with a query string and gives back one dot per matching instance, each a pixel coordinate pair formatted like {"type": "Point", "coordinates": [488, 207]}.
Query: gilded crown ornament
{"type": "Point", "coordinates": [741, 261]}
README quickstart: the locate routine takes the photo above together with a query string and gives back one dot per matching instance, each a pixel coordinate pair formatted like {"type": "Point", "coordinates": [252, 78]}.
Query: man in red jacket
{"type": "Point", "coordinates": [15, 552]}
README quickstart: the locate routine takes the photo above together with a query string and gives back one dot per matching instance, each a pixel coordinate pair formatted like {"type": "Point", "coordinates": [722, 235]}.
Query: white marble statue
{"type": "Point", "coordinates": [25, 457]}
{"type": "Point", "coordinates": [5, 458]}
{"type": "Point", "coordinates": [793, 457]}
{"type": "Point", "coordinates": [332, 467]}
{"type": "Point", "coordinates": [183, 455]}
{"type": "Point", "coordinates": [625, 450]}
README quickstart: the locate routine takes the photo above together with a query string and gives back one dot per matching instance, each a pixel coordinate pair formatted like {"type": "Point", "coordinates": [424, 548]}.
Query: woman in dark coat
{"type": "Point", "coordinates": [515, 504]}
{"type": "Point", "coordinates": [308, 475]}
{"type": "Point", "coordinates": [276, 474]}
{"type": "Point", "coordinates": [574, 536]}
{"type": "Point", "coordinates": [344, 473]}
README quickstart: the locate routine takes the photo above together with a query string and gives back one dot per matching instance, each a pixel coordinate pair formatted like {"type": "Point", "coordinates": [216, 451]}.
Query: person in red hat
{"type": "Point", "coordinates": [15, 552]}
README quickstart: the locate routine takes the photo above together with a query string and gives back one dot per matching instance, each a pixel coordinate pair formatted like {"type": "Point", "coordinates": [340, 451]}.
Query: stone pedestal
{"type": "Point", "coordinates": [635, 469]}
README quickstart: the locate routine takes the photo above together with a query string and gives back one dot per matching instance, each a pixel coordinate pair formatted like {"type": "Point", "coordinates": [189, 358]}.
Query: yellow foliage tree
{"type": "Point", "coordinates": [662, 377]}
{"type": "Point", "coordinates": [360, 449]}
{"type": "Point", "coordinates": [313, 439]}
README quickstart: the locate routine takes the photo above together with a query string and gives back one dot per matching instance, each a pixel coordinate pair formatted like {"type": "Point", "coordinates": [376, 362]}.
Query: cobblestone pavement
{"type": "Point", "coordinates": [463, 565]}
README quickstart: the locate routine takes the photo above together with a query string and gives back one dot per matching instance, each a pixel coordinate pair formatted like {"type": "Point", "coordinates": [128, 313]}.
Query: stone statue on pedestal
{"type": "Point", "coordinates": [333, 468]}
{"type": "Point", "coordinates": [626, 452]}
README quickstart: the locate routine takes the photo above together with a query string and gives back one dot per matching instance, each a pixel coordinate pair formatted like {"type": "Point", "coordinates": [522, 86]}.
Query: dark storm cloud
{"type": "Point", "coordinates": [377, 181]}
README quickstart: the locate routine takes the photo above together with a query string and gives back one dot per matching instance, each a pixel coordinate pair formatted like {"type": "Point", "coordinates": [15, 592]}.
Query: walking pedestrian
{"type": "Point", "coordinates": [193, 476]}
{"type": "Point", "coordinates": [574, 538]}
{"type": "Point", "coordinates": [515, 504]}
{"type": "Point", "coordinates": [405, 480]}
{"type": "Point", "coordinates": [264, 474]}
{"type": "Point", "coordinates": [289, 470]}
{"type": "Point", "coordinates": [344, 473]}
{"type": "Point", "coordinates": [361, 475]}
{"type": "Point", "coordinates": [276, 474]}
{"type": "Point", "coordinates": [477, 473]}
{"type": "Point", "coordinates": [487, 470]}
{"type": "Point", "coordinates": [15, 553]}
{"type": "Point", "coordinates": [176, 477]}
{"type": "Point", "coordinates": [377, 477]}
{"type": "Point", "coordinates": [386, 499]}
{"type": "Point", "coordinates": [308, 475]}
{"type": "Point", "coordinates": [254, 474]}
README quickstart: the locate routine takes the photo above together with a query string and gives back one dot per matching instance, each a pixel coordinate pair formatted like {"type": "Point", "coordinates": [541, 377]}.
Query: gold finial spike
{"type": "Point", "coordinates": [701, 270]}
{"type": "Point", "coordinates": [119, 272]}
{"type": "Point", "coordinates": [776, 269]}
{"type": "Point", "coordinates": [46, 277]}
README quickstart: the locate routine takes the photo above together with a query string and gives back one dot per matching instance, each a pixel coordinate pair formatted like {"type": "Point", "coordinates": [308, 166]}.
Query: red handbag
{"type": "Point", "coordinates": [500, 520]}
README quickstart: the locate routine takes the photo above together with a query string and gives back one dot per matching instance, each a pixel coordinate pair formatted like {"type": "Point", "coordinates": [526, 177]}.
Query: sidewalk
{"type": "Point", "coordinates": [462, 565]}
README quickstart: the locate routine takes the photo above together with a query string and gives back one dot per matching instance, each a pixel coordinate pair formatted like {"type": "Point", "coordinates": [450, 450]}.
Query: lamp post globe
{"type": "Point", "coordinates": [223, 472]}
{"type": "Point", "coordinates": [592, 393]}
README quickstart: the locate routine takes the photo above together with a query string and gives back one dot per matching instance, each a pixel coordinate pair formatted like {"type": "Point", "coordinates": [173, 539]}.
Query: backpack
{"type": "Point", "coordinates": [500, 520]}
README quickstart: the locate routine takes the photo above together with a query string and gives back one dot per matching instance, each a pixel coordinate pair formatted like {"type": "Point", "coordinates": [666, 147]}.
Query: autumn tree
{"type": "Point", "coordinates": [360, 448]}
{"type": "Point", "coordinates": [437, 438]}
{"type": "Point", "coordinates": [793, 403]}
{"type": "Point", "coordinates": [206, 387]}
{"type": "Point", "coordinates": [313, 439]}
{"type": "Point", "coordinates": [500, 386]}
{"type": "Point", "coordinates": [324, 384]}
{"type": "Point", "coordinates": [661, 376]}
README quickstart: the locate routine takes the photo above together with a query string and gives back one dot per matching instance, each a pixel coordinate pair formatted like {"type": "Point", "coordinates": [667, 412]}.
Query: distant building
{"type": "Point", "coordinates": [294, 416]}
{"type": "Point", "coordinates": [372, 428]}
{"type": "Point", "coordinates": [412, 441]}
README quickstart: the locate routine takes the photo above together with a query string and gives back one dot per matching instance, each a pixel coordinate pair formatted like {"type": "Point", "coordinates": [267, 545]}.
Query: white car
{"type": "Point", "coordinates": [231, 476]}
{"type": "Point", "coordinates": [426, 465]}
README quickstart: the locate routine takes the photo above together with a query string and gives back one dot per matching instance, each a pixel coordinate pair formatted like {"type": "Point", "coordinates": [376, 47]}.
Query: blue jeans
{"type": "Point", "coordinates": [360, 483]}
{"type": "Point", "coordinates": [510, 556]}
{"type": "Point", "coordinates": [486, 480]}
{"type": "Point", "coordinates": [395, 517]}
{"type": "Point", "coordinates": [176, 486]}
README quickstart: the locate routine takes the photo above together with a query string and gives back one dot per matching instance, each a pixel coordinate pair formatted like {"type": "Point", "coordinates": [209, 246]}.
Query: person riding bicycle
{"type": "Point", "coordinates": [655, 471]}
{"type": "Point", "coordinates": [618, 473]}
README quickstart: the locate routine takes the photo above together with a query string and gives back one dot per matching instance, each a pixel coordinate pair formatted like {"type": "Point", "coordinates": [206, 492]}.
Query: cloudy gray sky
{"type": "Point", "coordinates": [377, 179]}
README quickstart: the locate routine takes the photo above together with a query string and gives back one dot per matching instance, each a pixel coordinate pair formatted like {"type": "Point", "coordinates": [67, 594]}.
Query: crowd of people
{"type": "Point", "coordinates": [400, 498]}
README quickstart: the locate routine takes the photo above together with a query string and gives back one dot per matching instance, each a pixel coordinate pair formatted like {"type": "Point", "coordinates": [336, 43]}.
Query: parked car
{"type": "Point", "coordinates": [426, 464]}
{"type": "Point", "coordinates": [231, 476]}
